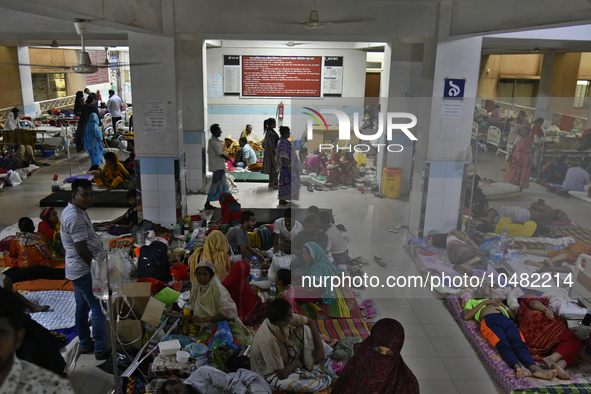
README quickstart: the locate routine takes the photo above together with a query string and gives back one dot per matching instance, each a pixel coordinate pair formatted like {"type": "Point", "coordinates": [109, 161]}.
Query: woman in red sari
{"type": "Point", "coordinates": [49, 230]}
{"type": "Point", "coordinates": [518, 170]}
{"type": "Point", "coordinates": [377, 366]}
{"type": "Point", "coordinates": [251, 310]}
{"type": "Point", "coordinates": [546, 335]}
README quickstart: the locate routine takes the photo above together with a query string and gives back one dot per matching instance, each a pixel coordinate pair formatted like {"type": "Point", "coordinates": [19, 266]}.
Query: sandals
{"type": "Point", "coordinates": [341, 227]}
{"type": "Point", "coordinates": [380, 195]}
{"type": "Point", "coordinates": [371, 312]}
{"type": "Point", "coordinates": [365, 304]}
{"type": "Point", "coordinates": [310, 189]}
{"type": "Point", "coordinates": [360, 260]}
{"type": "Point", "coordinates": [380, 261]}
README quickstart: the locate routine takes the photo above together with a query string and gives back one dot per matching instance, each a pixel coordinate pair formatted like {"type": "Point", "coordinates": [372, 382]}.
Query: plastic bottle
{"type": "Point", "coordinates": [55, 186]}
{"type": "Point", "coordinates": [177, 229]}
{"type": "Point", "coordinates": [497, 249]}
{"type": "Point", "coordinates": [553, 247]}
{"type": "Point", "coordinates": [99, 272]}
{"type": "Point", "coordinates": [186, 229]}
{"type": "Point", "coordinates": [272, 292]}
{"type": "Point", "coordinates": [255, 268]}
{"type": "Point", "coordinates": [504, 237]}
{"type": "Point", "coordinates": [151, 233]}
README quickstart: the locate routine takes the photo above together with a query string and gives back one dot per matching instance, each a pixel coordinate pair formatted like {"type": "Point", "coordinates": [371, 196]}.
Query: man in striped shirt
{"type": "Point", "coordinates": [82, 244]}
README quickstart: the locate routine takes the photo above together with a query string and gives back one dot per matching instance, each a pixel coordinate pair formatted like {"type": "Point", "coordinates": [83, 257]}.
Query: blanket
{"type": "Point", "coordinates": [344, 306]}
{"type": "Point", "coordinates": [62, 309]}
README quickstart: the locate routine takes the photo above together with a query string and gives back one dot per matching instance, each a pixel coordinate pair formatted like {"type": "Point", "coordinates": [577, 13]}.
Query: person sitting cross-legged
{"type": "Point", "coordinates": [287, 351]}
{"type": "Point", "coordinates": [497, 327]}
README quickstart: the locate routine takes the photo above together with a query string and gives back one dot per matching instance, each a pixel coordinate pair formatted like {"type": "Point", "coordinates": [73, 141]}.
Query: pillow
{"type": "Point", "coordinates": [438, 240]}
{"type": "Point", "coordinates": [5, 243]}
{"type": "Point", "coordinates": [82, 176]}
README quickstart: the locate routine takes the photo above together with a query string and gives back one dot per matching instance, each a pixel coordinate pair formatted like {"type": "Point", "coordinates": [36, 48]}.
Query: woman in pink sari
{"type": "Point", "coordinates": [518, 170]}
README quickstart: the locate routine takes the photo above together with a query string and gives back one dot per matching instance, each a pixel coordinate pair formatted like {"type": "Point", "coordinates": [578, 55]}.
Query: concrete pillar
{"type": "Point", "coordinates": [159, 142]}
{"type": "Point", "coordinates": [193, 74]}
{"type": "Point", "coordinates": [443, 140]}
{"type": "Point", "coordinates": [404, 87]}
{"type": "Point", "coordinates": [26, 82]}
{"type": "Point", "coordinates": [542, 101]}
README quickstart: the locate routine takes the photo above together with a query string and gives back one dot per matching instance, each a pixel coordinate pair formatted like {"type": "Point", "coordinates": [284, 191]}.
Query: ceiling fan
{"type": "Point", "coordinates": [315, 23]}
{"type": "Point", "coordinates": [84, 65]}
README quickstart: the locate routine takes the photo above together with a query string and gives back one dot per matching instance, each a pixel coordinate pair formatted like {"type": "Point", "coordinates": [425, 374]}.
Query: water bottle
{"type": "Point", "coordinates": [272, 292]}
{"type": "Point", "coordinates": [55, 186]}
{"type": "Point", "coordinates": [255, 268]}
{"type": "Point", "coordinates": [497, 249]}
{"type": "Point", "coordinates": [186, 229]}
{"type": "Point", "coordinates": [177, 229]}
{"type": "Point", "coordinates": [552, 247]}
{"type": "Point", "coordinates": [504, 237]}
{"type": "Point", "coordinates": [99, 272]}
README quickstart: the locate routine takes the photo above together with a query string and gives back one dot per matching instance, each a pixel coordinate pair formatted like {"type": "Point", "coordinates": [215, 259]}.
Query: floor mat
{"type": "Point", "coordinates": [112, 199]}
{"type": "Point", "coordinates": [244, 176]}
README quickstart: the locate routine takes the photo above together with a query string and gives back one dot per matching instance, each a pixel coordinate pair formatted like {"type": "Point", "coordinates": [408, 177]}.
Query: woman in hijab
{"type": "Point", "coordinates": [114, 175]}
{"type": "Point", "coordinates": [377, 366]}
{"type": "Point", "coordinates": [289, 168]}
{"type": "Point", "coordinates": [231, 212]}
{"type": "Point", "coordinates": [231, 147]}
{"type": "Point", "coordinates": [270, 141]}
{"type": "Point", "coordinates": [78, 103]}
{"type": "Point", "coordinates": [49, 230]}
{"type": "Point", "coordinates": [251, 310]}
{"type": "Point", "coordinates": [212, 303]}
{"type": "Point", "coordinates": [88, 108]}
{"type": "Point", "coordinates": [316, 265]}
{"type": "Point", "coordinates": [93, 140]}
{"type": "Point", "coordinates": [214, 250]}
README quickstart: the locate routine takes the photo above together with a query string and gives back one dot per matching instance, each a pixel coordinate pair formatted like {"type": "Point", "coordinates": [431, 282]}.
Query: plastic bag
{"type": "Point", "coordinates": [119, 269]}
{"type": "Point", "coordinates": [223, 336]}
{"type": "Point", "coordinates": [14, 178]}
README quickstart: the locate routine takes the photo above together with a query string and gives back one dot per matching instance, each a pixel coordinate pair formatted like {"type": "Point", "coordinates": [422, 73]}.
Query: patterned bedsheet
{"type": "Point", "coordinates": [505, 376]}
{"type": "Point", "coordinates": [62, 308]}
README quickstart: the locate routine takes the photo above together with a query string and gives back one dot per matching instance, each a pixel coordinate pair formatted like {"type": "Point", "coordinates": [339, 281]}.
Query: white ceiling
{"type": "Point", "coordinates": [37, 22]}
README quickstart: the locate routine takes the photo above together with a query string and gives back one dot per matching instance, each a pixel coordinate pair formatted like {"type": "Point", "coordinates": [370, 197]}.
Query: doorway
{"type": "Point", "coordinates": [372, 88]}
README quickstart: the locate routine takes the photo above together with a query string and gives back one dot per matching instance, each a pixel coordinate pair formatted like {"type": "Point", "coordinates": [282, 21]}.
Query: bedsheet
{"type": "Point", "coordinates": [503, 375]}
{"type": "Point", "coordinates": [62, 309]}
{"type": "Point", "coordinates": [344, 306]}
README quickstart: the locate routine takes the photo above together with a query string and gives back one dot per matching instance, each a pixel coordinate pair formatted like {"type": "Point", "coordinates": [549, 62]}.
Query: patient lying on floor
{"type": "Point", "coordinates": [497, 327]}
{"type": "Point", "coordinates": [464, 254]}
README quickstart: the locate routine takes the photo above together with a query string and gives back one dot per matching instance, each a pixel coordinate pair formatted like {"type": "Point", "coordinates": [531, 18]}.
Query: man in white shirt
{"type": "Point", "coordinates": [284, 230]}
{"type": "Point", "coordinates": [577, 177]}
{"type": "Point", "coordinates": [217, 165]}
{"type": "Point", "coordinates": [337, 245]}
{"type": "Point", "coordinates": [17, 376]}
{"type": "Point", "coordinates": [114, 105]}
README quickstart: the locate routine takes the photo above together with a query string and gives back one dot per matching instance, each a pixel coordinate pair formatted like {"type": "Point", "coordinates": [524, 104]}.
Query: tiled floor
{"type": "Point", "coordinates": [435, 348]}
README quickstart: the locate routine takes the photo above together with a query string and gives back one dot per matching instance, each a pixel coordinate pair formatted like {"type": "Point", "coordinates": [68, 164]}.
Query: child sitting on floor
{"type": "Point", "coordinates": [497, 327]}
{"type": "Point", "coordinates": [124, 223]}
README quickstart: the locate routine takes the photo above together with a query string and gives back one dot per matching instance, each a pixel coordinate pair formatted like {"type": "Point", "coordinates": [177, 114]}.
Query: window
{"type": "Point", "coordinates": [582, 94]}
{"type": "Point", "coordinates": [48, 86]}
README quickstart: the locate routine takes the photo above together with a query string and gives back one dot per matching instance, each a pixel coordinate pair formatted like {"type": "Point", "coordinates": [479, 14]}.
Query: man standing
{"type": "Point", "coordinates": [114, 106]}
{"type": "Point", "coordinates": [217, 165]}
{"type": "Point", "coordinates": [82, 244]}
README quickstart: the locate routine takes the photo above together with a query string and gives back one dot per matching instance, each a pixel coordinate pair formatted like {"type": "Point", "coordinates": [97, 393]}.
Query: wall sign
{"type": "Point", "coordinates": [231, 75]}
{"type": "Point", "coordinates": [453, 88]}
{"type": "Point", "coordinates": [281, 76]}
{"type": "Point", "coordinates": [333, 76]}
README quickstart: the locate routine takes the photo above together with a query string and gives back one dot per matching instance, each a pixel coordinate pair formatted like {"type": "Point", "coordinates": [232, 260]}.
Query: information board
{"type": "Point", "coordinates": [281, 76]}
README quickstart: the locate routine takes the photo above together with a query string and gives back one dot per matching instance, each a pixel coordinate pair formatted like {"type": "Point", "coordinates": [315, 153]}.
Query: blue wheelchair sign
{"type": "Point", "coordinates": [453, 88]}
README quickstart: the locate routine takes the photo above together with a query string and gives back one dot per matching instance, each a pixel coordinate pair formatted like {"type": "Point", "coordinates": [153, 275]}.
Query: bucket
{"type": "Point", "coordinates": [198, 349]}
{"type": "Point", "coordinates": [391, 182]}
{"type": "Point", "coordinates": [179, 272]}
{"type": "Point", "coordinates": [298, 143]}
{"type": "Point", "coordinates": [157, 285]}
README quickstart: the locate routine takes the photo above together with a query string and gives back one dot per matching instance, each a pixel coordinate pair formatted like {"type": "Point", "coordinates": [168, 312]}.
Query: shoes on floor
{"type": "Point", "coordinates": [380, 261]}
{"type": "Point", "coordinates": [341, 227]}
{"type": "Point", "coordinates": [90, 350]}
{"type": "Point", "coordinates": [104, 355]}
{"type": "Point", "coordinates": [310, 189]}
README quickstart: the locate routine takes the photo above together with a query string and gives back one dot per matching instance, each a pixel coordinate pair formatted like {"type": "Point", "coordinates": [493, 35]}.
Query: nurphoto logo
{"type": "Point", "coordinates": [344, 123]}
